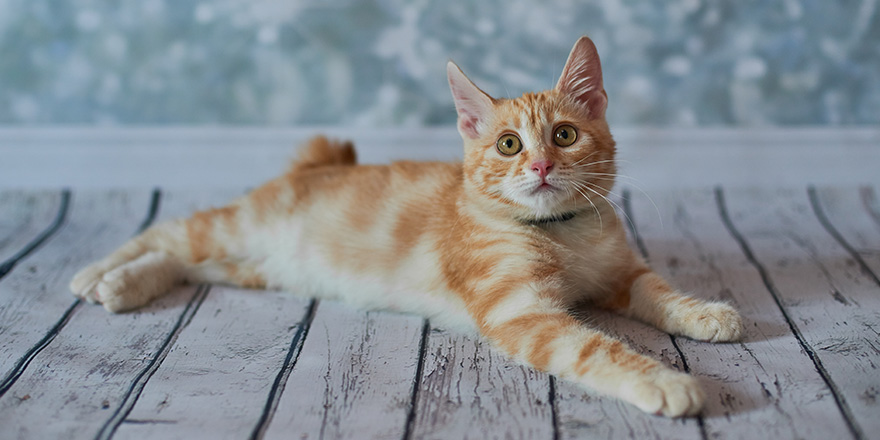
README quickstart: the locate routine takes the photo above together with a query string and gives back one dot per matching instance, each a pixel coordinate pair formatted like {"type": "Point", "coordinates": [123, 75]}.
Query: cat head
{"type": "Point", "coordinates": [541, 155]}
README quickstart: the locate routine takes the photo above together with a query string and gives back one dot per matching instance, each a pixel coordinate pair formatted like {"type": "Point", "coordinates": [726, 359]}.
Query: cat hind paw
{"type": "Point", "coordinates": [84, 284]}
{"type": "Point", "coordinates": [129, 285]}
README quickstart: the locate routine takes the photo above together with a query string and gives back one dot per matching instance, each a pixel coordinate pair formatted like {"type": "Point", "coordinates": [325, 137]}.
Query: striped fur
{"type": "Point", "coordinates": [465, 244]}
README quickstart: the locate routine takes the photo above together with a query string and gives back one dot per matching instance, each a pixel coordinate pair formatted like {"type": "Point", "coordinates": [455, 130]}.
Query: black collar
{"type": "Point", "coordinates": [559, 218]}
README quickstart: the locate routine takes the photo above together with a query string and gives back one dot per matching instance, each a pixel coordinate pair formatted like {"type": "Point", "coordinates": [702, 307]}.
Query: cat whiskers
{"type": "Point", "coordinates": [583, 185]}
{"type": "Point", "coordinates": [596, 208]}
{"type": "Point", "coordinates": [632, 181]}
{"type": "Point", "coordinates": [583, 159]}
{"type": "Point", "coordinates": [598, 162]}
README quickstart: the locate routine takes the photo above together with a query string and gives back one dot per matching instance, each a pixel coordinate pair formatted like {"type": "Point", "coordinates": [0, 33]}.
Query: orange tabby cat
{"type": "Point", "coordinates": [505, 243]}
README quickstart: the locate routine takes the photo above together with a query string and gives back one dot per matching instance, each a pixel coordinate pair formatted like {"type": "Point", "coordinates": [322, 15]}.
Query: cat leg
{"type": "Point", "coordinates": [142, 269]}
{"type": "Point", "coordinates": [647, 297]}
{"type": "Point", "coordinates": [236, 273]}
{"type": "Point", "coordinates": [528, 326]}
{"type": "Point", "coordinates": [137, 282]}
{"type": "Point", "coordinates": [198, 249]}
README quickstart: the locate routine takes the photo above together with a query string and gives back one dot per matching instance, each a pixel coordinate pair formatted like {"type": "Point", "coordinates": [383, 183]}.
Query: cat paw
{"type": "Point", "coordinates": [84, 284]}
{"type": "Point", "coordinates": [128, 286]}
{"type": "Point", "coordinates": [713, 322]}
{"type": "Point", "coordinates": [667, 393]}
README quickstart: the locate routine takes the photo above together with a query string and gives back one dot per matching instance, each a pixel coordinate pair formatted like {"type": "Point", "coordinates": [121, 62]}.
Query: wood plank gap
{"type": "Point", "coordinates": [627, 209]}
{"type": "Point", "coordinates": [26, 359]}
{"type": "Point", "coordinates": [417, 381]}
{"type": "Point", "coordinates": [147, 422]}
{"type": "Point", "coordinates": [823, 219]}
{"type": "Point", "coordinates": [701, 421]}
{"type": "Point", "coordinates": [7, 265]}
{"type": "Point", "coordinates": [855, 430]}
{"type": "Point", "coordinates": [23, 362]}
{"type": "Point", "coordinates": [284, 373]}
{"type": "Point", "coordinates": [153, 211]}
{"type": "Point", "coordinates": [552, 400]}
{"type": "Point", "coordinates": [140, 381]}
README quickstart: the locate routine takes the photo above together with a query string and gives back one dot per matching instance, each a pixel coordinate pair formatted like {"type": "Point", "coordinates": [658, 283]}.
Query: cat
{"type": "Point", "coordinates": [506, 243]}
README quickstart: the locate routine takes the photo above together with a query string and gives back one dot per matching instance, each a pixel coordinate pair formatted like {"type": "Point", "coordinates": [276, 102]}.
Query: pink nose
{"type": "Point", "coordinates": [542, 167]}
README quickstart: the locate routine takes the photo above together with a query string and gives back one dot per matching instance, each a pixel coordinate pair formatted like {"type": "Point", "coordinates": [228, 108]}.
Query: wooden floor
{"type": "Point", "coordinates": [215, 362]}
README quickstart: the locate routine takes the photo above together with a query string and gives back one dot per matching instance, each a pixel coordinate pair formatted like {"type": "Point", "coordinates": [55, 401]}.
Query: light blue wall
{"type": "Point", "coordinates": [381, 62]}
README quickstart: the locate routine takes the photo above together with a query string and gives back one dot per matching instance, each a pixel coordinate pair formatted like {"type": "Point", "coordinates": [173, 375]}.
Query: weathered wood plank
{"type": "Point", "coordinates": [854, 213]}
{"type": "Point", "coordinates": [353, 378]}
{"type": "Point", "coordinates": [765, 386]}
{"type": "Point", "coordinates": [833, 306]}
{"type": "Point", "coordinates": [35, 296]}
{"type": "Point", "coordinates": [470, 391]}
{"type": "Point", "coordinates": [24, 218]}
{"type": "Point", "coordinates": [215, 380]}
{"type": "Point", "coordinates": [93, 369]}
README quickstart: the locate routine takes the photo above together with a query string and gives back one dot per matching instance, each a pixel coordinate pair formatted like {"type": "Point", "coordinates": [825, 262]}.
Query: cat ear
{"type": "Point", "coordinates": [582, 78]}
{"type": "Point", "coordinates": [472, 104]}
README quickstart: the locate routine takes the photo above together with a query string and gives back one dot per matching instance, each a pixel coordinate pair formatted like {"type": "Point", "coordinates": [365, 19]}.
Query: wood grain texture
{"type": "Point", "coordinates": [85, 375]}
{"type": "Point", "coordinates": [353, 377]}
{"type": "Point", "coordinates": [764, 386]}
{"type": "Point", "coordinates": [830, 302]}
{"type": "Point", "coordinates": [35, 295]}
{"type": "Point", "coordinates": [198, 364]}
{"type": "Point", "coordinates": [23, 216]}
{"type": "Point", "coordinates": [855, 214]}
{"type": "Point", "coordinates": [471, 391]}
{"type": "Point", "coordinates": [215, 380]}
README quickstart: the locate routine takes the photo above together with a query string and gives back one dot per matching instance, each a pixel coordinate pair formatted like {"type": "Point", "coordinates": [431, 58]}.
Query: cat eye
{"type": "Point", "coordinates": [564, 135]}
{"type": "Point", "coordinates": [509, 145]}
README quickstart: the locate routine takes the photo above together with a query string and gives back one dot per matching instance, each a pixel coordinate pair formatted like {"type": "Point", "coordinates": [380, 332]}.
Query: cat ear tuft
{"type": "Point", "coordinates": [582, 78]}
{"type": "Point", "coordinates": [472, 104]}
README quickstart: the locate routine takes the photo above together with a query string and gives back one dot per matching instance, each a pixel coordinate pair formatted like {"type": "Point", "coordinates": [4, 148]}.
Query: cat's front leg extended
{"type": "Point", "coordinates": [646, 296]}
{"type": "Point", "coordinates": [524, 322]}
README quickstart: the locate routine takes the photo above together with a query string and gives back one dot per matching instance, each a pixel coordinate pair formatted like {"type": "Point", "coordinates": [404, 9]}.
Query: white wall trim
{"type": "Point", "coordinates": [88, 157]}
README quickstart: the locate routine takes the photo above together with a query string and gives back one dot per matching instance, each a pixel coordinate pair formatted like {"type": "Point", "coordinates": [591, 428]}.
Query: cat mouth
{"type": "Point", "coordinates": [544, 187]}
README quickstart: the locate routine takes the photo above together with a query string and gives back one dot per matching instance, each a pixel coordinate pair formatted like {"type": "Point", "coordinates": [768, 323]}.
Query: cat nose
{"type": "Point", "coordinates": [542, 167]}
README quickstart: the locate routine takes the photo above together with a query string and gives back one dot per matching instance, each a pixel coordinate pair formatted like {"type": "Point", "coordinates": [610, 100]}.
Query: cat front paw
{"type": "Point", "coordinates": [667, 393]}
{"type": "Point", "coordinates": [713, 322]}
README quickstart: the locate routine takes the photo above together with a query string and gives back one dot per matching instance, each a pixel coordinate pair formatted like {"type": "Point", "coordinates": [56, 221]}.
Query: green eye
{"type": "Point", "coordinates": [509, 145]}
{"type": "Point", "coordinates": [565, 135]}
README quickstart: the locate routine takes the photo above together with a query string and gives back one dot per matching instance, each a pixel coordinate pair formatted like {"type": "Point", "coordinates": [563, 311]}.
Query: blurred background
{"type": "Point", "coordinates": [381, 63]}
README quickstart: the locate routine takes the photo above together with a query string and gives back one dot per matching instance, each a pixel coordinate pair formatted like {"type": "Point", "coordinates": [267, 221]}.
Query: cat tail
{"type": "Point", "coordinates": [320, 152]}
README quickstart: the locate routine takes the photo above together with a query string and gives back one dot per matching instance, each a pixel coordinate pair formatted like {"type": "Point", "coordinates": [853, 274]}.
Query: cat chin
{"type": "Point", "coordinates": [542, 205]}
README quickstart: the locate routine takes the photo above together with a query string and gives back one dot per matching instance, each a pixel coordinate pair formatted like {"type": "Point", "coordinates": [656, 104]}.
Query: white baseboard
{"type": "Point", "coordinates": [51, 157]}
